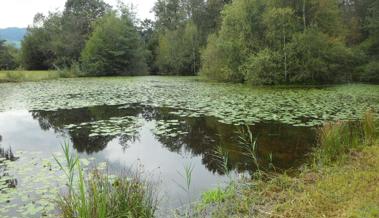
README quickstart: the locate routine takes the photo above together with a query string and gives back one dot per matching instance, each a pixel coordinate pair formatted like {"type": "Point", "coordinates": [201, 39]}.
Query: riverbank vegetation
{"type": "Point", "coordinates": [248, 41]}
{"type": "Point", "coordinates": [25, 76]}
{"type": "Point", "coordinates": [340, 180]}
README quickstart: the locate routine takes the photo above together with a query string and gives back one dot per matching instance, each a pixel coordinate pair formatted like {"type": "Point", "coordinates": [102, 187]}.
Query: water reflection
{"type": "Point", "coordinates": [287, 145]}
{"type": "Point", "coordinates": [5, 156]}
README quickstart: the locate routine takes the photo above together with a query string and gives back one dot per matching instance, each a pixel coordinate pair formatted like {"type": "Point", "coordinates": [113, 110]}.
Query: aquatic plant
{"type": "Point", "coordinates": [71, 162]}
{"type": "Point", "coordinates": [36, 180]}
{"type": "Point", "coordinates": [186, 175]}
{"type": "Point", "coordinates": [99, 195]}
{"type": "Point", "coordinates": [249, 146]}
{"type": "Point", "coordinates": [231, 104]}
{"type": "Point", "coordinates": [114, 126]}
{"type": "Point", "coordinates": [221, 157]}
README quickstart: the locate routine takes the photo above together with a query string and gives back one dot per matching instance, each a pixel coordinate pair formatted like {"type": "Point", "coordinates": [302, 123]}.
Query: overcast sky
{"type": "Point", "coordinates": [20, 13]}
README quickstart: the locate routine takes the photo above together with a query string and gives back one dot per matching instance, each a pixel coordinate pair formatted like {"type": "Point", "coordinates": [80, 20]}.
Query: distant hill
{"type": "Point", "coordinates": [13, 35]}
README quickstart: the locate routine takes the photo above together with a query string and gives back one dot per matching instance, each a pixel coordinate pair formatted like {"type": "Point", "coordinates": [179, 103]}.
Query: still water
{"type": "Point", "coordinates": [162, 156]}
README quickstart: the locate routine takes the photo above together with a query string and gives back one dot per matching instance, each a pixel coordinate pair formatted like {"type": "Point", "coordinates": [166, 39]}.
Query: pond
{"type": "Point", "coordinates": [160, 124]}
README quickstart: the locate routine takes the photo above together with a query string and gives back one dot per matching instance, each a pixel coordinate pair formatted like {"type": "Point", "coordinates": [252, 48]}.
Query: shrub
{"type": "Point", "coordinates": [263, 68]}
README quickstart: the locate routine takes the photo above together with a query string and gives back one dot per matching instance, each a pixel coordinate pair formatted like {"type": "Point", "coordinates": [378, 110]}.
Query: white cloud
{"type": "Point", "coordinates": [20, 13]}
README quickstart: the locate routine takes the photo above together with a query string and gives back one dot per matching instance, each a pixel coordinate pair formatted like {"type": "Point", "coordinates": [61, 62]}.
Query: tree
{"type": "Point", "coordinates": [115, 48]}
{"type": "Point", "coordinates": [58, 39]}
{"type": "Point", "coordinates": [183, 27]}
{"type": "Point", "coordinates": [7, 56]}
{"type": "Point", "coordinates": [241, 34]}
{"type": "Point", "coordinates": [280, 23]}
{"type": "Point", "coordinates": [279, 41]}
{"type": "Point", "coordinates": [150, 37]}
{"type": "Point", "coordinates": [76, 26]}
{"type": "Point", "coordinates": [178, 52]}
{"type": "Point", "coordinates": [38, 48]}
{"type": "Point", "coordinates": [322, 61]}
{"type": "Point", "coordinates": [370, 69]}
{"type": "Point", "coordinates": [170, 14]}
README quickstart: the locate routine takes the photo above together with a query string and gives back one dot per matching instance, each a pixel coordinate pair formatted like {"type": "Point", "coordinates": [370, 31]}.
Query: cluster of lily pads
{"type": "Point", "coordinates": [115, 126]}
{"type": "Point", "coordinates": [38, 180]}
{"type": "Point", "coordinates": [38, 183]}
{"type": "Point", "coordinates": [230, 103]}
{"type": "Point", "coordinates": [168, 128]}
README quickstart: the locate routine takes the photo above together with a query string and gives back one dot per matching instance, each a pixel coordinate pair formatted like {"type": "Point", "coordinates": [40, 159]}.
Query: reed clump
{"type": "Point", "coordinates": [99, 195]}
{"type": "Point", "coordinates": [336, 139]}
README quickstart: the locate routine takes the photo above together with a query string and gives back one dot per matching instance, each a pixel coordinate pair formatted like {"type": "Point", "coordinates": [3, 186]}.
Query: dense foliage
{"type": "Point", "coordinates": [253, 41]}
{"type": "Point", "coordinates": [115, 48]}
{"type": "Point", "coordinates": [275, 42]}
{"type": "Point", "coordinates": [58, 39]}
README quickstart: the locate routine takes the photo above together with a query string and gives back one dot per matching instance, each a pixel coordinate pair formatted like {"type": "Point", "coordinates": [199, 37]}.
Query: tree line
{"type": "Point", "coordinates": [263, 42]}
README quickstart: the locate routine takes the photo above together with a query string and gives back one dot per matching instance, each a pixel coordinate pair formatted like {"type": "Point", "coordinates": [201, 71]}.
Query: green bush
{"type": "Point", "coordinates": [264, 68]}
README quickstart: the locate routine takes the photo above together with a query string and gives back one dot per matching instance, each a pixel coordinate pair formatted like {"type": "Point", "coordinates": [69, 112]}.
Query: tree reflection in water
{"type": "Point", "coordinates": [288, 145]}
{"type": "Point", "coordinates": [6, 155]}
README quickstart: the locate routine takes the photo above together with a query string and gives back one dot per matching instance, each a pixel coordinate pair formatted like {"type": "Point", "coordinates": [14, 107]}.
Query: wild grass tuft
{"type": "Point", "coordinates": [370, 128]}
{"type": "Point", "coordinates": [221, 157]}
{"type": "Point", "coordinates": [336, 139]}
{"type": "Point", "coordinates": [99, 195]}
{"type": "Point", "coordinates": [249, 146]}
{"type": "Point", "coordinates": [217, 195]}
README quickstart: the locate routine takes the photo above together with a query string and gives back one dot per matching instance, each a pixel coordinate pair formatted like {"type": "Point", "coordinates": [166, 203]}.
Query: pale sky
{"type": "Point", "coordinates": [20, 13]}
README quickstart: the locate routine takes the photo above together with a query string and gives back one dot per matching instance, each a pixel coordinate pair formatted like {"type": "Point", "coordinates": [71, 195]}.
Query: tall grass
{"type": "Point", "coordinates": [249, 146]}
{"type": "Point", "coordinates": [335, 139]}
{"type": "Point", "coordinates": [99, 195]}
{"type": "Point", "coordinates": [370, 128]}
{"type": "Point", "coordinates": [22, 76]}
{"type": "Point", "coordinates": [221, 157]}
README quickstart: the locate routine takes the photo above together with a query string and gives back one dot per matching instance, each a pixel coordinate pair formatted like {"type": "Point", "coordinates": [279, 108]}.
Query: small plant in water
{"type": "Point", "coordinates": [186, 175]}
{"type": "Point", "coordinates": [221, 156]}
{"type": "Point", "coordinates": [250, 147]}
{"type": "Point", "coordinates": [69, 167]}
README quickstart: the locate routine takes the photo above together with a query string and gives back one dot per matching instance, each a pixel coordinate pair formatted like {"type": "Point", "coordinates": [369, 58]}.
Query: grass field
{"type": "Point", "coordinates": [24, 76]}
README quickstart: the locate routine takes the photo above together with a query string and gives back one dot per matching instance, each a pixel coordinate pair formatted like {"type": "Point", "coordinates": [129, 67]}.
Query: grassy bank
{"type": "Point", "coordinates": [25, 76]}
{"type": "Point", "coordinates": [340, 180]}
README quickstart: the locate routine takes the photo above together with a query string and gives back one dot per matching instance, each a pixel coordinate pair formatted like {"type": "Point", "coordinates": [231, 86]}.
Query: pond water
{"type": "Point", "coordinates": [163, 124]}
